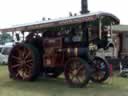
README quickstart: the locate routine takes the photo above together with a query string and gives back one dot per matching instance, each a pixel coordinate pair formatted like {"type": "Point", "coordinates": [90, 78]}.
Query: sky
{"type": "Point", "coordinates": [14, 12]}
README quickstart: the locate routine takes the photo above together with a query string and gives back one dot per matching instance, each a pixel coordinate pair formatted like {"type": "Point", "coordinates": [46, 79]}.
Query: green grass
{"type": "Point", "coordinates": [50, 87]}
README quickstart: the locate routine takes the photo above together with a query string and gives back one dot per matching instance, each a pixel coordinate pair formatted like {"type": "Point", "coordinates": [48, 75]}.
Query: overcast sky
{"type": "Point", "coordinates": [13, 12]}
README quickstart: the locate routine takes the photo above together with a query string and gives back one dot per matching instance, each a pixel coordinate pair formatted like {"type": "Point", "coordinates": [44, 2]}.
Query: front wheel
{"type": "Point", "coordinates": [101, 70]}
{"type": "Point", "coordinates": [76, 72]}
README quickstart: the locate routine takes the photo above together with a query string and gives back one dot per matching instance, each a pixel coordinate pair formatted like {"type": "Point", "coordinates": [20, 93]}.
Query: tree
{"type": "Point", "coordinates": [5, 37]}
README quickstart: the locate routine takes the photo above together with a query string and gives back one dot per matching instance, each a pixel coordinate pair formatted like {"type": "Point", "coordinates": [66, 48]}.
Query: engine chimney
{"type": "Point", "coordinates": [84, 7]}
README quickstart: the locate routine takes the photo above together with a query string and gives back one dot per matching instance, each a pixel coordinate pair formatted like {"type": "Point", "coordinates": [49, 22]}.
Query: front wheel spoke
{"type": "Point", "coordinates": [78, 79]}
{"type": "Point", "coordinates": [71, 67]}
{"type": "Point", "coordinates": [70, 72]}
{"type": "Point", "coordinates": [74, 65]}
{"type": "Point", "coordinates": [73, 76]}
{"type": "Point", "coordinates": [79, 69]}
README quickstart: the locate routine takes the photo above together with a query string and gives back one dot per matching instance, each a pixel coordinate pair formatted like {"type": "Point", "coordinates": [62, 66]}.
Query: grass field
{"type": "Point", "coordinates": [50, 87]}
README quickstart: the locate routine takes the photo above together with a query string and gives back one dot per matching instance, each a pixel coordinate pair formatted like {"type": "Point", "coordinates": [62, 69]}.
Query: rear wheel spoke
{"type": "Point", "coordinates": [29, 61]}
{"type": "Point", "coordinates": [17, 74]}
{"type": "Point", "coordinates": [28, 55]}
{"type": "Point", "coordinates": [17, 58]}
{"type": "Point", "coordinates": [23, 74]}
{"type": "Point", "coordinates": [15, 66]}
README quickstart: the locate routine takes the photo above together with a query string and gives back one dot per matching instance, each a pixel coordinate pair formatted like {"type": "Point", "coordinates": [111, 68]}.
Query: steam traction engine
{"type": "Point", "coordinates": [57, 46]}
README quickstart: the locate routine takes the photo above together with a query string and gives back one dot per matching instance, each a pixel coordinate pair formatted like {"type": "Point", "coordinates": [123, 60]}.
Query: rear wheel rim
{"type": "Point", "coordinates": [21, 61]}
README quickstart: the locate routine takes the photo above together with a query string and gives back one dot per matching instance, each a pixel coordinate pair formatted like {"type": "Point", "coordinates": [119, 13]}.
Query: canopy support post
{"type": "Point", "coordinates": [100, 29]}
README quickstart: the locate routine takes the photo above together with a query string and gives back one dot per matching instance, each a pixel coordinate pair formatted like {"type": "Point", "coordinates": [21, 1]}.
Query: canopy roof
{"type": "Point", "coordinates": [61, 22]}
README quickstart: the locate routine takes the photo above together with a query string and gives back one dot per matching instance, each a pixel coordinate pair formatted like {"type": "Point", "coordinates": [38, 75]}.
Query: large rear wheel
{"type": "Point", "coordinates": [76, 72]}
{"type": "Point", "coordinates": [24, 62]}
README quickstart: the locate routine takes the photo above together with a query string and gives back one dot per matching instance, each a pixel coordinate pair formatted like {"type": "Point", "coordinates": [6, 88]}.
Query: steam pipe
{"type": "Point", "coordinates": [84, 7]}
{"type": "Point", "coordinates": [84, 10]}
